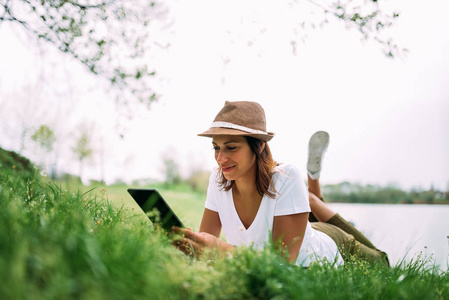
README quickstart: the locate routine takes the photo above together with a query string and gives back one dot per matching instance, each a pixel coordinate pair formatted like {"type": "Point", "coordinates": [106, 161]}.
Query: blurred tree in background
{"type": "Point", "coordinates": [199, 180]}
{"type": "Point", "coordinates": [171, 171]}
{"type": "Point", "coordinates": [368, 17]}
{"type": "Point", "coordinates": [108, 37]}
{"type": "Point", "coordinates": [82, 150]}
{"type": "Point", "coordinates": [45, 138]}
{"type": "Point", "coordinates": [113, 39]}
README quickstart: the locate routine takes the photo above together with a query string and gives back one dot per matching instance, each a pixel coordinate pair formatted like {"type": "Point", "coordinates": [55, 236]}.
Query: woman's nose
{"type": "Point", "coordinates": [221, 157]}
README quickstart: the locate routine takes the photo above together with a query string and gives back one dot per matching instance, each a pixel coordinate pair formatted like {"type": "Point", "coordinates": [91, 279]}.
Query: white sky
{"type": "Point", "coordinates": [388, 119]}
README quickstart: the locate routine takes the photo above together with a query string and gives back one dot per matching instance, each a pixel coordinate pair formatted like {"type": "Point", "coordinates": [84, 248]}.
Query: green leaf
{"type": "Point", "coordinates": [101, 43]}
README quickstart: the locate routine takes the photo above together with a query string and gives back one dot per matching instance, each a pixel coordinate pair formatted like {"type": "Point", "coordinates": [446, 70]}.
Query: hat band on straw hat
{"type": "Point", "coordinates": [243, 118]}
{"type": "Point", "coordinates": [235, 126]}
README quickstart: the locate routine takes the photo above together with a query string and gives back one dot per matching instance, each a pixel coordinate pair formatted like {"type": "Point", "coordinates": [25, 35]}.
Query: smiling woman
{"type": "Point", "coordinates": [233, 156]}
{"type": "Point", "coordinates": [254, 199]}
{"type": "Point", "coordinates": [235, 159]}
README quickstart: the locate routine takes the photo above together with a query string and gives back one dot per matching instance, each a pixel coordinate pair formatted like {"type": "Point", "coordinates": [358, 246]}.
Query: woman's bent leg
{"type": "Point", "coordinates": [324, 214]}
{"type": "Point", "coordinates": [347, 227]}
{"type": "Point", "coordinates": [349, 246]}
{"type": "Point", "coordinates": [349, 240]}
{"type": "Point", "coordinates": [319, 209]}
{"type": "Point", "coordinates": [314, 189]}
{"type": "Point", "coordinates": [318, 144]}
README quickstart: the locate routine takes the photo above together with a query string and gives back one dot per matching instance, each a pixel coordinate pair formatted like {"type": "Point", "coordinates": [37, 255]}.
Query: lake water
{"type": "Point", "coordinates": [403, 231]}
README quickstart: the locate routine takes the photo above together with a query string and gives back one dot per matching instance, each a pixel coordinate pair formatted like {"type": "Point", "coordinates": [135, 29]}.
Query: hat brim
{"type": "Point", "coordinates": [211, 132]}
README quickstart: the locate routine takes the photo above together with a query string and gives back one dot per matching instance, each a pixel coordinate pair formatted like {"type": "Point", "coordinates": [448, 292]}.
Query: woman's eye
{"type": "Point", "coordinates": [217, 148]}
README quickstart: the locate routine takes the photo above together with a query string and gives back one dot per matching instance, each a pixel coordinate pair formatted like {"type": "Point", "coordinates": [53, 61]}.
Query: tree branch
{"type": "Point", "coordinates": [85, 6]}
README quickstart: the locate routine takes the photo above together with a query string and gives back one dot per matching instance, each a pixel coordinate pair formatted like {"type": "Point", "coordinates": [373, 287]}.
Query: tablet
{"type": "Point", "coordinates": [155, 207]}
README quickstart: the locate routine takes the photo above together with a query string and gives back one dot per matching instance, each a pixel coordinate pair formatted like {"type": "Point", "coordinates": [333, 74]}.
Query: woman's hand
{"type": "Point", "coordinates": [195, 243]}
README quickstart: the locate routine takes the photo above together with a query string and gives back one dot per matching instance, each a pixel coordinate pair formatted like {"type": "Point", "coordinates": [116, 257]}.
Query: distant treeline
{"type": "Point", "coordinates": [345, 192]}
{"type": "Point", "coordinates": [355, 193]}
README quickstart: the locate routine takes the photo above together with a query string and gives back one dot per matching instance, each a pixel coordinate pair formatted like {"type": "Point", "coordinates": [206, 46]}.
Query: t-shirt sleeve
{"type": "Point", "coordinates": [293, 196]}
{"type": "Point", "coordinates": [212, 189]}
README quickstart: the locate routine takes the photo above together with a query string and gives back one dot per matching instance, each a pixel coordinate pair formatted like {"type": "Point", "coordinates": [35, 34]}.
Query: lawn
{"type": "Point", "coordinates": [73, 242]}
{"type": "Point", "coordinates": [187, 204]}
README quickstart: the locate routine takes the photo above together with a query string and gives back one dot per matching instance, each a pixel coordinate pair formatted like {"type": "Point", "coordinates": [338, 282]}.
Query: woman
{"type": "Point", "coordinates": [253, 198]}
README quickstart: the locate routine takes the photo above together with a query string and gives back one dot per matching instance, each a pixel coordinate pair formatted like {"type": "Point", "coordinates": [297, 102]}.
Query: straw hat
{"type": "Point", "coordinates": [240, 118]}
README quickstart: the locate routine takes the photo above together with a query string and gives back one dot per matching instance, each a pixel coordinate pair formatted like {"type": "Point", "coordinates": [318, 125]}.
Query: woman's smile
{"type": "Point", "coordinates": [227, 169]}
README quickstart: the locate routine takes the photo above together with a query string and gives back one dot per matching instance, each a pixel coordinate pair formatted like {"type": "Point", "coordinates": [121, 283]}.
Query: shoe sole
{"type": "Point", "coordinates": [317, 147]}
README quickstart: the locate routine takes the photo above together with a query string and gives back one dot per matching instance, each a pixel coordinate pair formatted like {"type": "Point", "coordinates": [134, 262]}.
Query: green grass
{"type": "Point", "coordinates": [58, 242]}
{"type": "Point", "coordinates": [187, 204]}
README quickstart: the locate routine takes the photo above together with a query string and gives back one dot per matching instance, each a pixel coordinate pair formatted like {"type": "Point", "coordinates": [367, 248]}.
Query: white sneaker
{"type": "Point", "coordinates": [317, 147]}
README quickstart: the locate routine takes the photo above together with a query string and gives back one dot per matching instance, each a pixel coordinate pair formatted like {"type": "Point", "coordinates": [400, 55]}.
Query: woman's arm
{"type": "Point", "coordinates": [288, 232]}
{"type": "Point", "coordinates": [210, 222]}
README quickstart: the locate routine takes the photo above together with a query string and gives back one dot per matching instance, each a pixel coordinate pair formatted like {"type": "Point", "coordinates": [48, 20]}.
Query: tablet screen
{"type": "Point", "coordinates": [155, 207]}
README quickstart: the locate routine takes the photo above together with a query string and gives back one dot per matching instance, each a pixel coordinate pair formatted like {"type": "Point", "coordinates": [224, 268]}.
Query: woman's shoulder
{"type": "Point", "coordinates": [288, 169]}
{"type": "Point", "coordinates": [290, 187]}
{"type": "Point", "coordinates": [285, 172]}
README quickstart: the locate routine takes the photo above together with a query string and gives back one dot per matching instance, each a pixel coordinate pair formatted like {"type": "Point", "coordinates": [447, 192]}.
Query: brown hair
{"type": "Point", "coordinates": [265, 165]}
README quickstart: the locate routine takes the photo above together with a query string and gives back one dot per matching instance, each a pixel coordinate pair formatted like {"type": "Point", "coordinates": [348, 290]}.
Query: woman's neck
{"type": "Point", "coordinates": [246, 186]}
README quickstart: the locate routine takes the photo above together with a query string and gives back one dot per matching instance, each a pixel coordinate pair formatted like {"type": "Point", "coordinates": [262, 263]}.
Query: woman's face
{"type": "Point", "coordinates": [234, 156]}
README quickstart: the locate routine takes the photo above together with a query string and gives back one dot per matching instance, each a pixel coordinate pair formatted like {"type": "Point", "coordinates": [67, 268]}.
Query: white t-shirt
{"type": "Point", "coordinates": [291, 198]}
